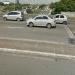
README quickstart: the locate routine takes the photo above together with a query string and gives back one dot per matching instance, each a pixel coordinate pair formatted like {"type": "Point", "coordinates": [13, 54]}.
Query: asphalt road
{"type": "Point", "coordinates": [47, 40]}
{"type": "Point", "coordinates": [14, 29]}
{"type": "Point", "coordinates": [72, 27]}
{"type": "Point", "coordinates": [17, 64]}
{"type": "Point", "coordinates": [11, 64]}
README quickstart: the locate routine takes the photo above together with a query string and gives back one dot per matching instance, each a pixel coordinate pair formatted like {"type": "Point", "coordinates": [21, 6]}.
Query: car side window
{"type": "Point", "coordinates": [57, 16]}
{"type": "Point", "coordinates": [45, 17]}
{"type": "Point", "coordinates": [61, 16]}
{"type": "Point", "coordinates": [15, 13]}
{"type": "Point", "coordinates": [11, 13]}
{"type": "Point", "coordinates": [39, 18]}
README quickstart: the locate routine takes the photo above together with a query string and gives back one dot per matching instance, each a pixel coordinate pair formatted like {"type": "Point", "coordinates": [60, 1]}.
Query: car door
{"type": "Point", "coordinates": [10, 15]}
{"type": "Point", "coordinates": [44, 20]}
{"type": "Point", "coordinates": [13, 15]}
{"type": "Point", "coordinates": [57, 18]}
{"type": "Point", "coordinates": [38, 21]}
{"type": "Point", "coordinates": [61, 18]}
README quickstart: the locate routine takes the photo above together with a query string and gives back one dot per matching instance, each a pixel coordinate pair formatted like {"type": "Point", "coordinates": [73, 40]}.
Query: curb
{"type": "Point", "coordinates": [38, 53]}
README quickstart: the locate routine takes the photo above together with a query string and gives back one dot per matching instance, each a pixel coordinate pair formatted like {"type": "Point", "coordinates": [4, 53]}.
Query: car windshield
{"type": "Point", "coordinates": [37, 37]}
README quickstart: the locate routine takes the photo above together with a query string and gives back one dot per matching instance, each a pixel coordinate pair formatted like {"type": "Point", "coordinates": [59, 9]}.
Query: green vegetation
{"type": "Point", "coordinates": [58, 7]}
{"type": "Point", "coordinates": [29, 7]}
{"type": "Point", "coordinates": [13, 6]}
{"type": "Point", "coordinates": [1, 4]}
{"type": "Point", "coordinates": [64, 5]}
{"type": "Point", "coordinates": [42, 6]}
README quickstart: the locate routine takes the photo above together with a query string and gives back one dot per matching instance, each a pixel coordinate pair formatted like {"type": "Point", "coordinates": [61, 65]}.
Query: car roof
{"type": "Point", "coordinates": [41, 15]}
{"type": "Point", "coordinates": [15, 11]}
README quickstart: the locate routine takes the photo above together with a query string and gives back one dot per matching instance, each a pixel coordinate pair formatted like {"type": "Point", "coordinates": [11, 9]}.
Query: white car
{"type": "Point", "coordinates": [60, 18]}
{"type": "Point", "coordinates": [14, 15]}
{"type": "Point", "coordinates": [41, 20]}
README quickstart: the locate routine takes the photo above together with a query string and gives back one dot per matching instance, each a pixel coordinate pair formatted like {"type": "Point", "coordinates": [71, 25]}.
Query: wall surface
{"type": "Point", "coordinates": [69, 14]}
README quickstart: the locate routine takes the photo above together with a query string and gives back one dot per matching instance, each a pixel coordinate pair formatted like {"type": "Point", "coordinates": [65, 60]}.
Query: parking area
{"type": "Point", "coordinates": [14, 29]}
{"type": "Point", "coordinates": [72, 28]}
{"type": "Point", "coordinates": [17, 35]}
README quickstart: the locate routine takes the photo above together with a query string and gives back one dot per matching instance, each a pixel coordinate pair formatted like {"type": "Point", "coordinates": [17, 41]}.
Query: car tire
{"type": "Point", "coordinates": [31, 24]}
{"type": "Point", "coordinates": [4, 18]}
{"type": "Point", "coordinates": [65, 22]}
{"type": "Point", "coordinates": [18, 19]}
{"type": "Point", "coordinates": [49, 26]}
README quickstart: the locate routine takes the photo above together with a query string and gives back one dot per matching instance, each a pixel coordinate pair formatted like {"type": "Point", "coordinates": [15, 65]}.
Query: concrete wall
{"type": "Point", "coordinates": [69, 14]}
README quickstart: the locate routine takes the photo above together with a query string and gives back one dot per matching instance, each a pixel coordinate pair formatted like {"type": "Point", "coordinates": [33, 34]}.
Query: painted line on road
{"type": "Point", "coordinates": [37, 53]}
{"type": "Point", "coordinates": [69, 32]}
{"type": "Point", "coordinates": [31, 40]}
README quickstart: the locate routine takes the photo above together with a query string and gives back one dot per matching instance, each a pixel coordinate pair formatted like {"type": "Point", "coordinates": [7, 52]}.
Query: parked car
{"type": "Point", "coordinates": [41, 20]}
{"type": "Point", "coordinates": [60, 18]}
{"type": "Point", "coordinates": [14, 15]}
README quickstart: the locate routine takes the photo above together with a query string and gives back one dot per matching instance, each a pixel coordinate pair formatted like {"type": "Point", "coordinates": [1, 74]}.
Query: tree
{"type": "Point", "coordinates": [52, 5]}
{"type": "Point", "coordinates": [42, 6]}
{"type": "Point", "coordinates": [64, 5]}
{"type": "Point", "coordinates": [18, 7]}
{"type": "Point", "coordinates": [1, 3]}
{"type": "Point", "coordinates": [29, 10]}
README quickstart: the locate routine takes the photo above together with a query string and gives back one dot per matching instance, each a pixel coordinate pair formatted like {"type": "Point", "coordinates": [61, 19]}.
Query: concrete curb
{"type": "Point", "coordinates": [37, 53]}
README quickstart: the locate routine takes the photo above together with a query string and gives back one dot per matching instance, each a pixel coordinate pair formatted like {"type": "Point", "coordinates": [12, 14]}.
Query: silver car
{"type": "Point", "coordinates": [14, 15]}
{"type": "Point", "coordinates": [41, 20]}
{"type": "Point", "coordinates": [60, 18]}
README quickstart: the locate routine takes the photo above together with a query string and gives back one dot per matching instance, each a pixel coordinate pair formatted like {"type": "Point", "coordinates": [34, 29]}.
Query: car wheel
{"type": "Point", "coordinates": [4, 18]}
{"type": "Point", "coordinates": [49, 25]}
{"type": "Point", "coordinates": [31, 24]}
{"type": "Point", "coordinates": [18, 19]}
{"type": "Point", "coordinates": [65, 22]}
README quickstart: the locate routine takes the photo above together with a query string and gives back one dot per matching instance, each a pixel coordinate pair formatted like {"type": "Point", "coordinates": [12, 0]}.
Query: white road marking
{"type": "Point", "coordinates": [31, 40]}
{"type": "Point", "coordinates": [37, 53]}
{"type": "Point", "coordinates": [69, 32]}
